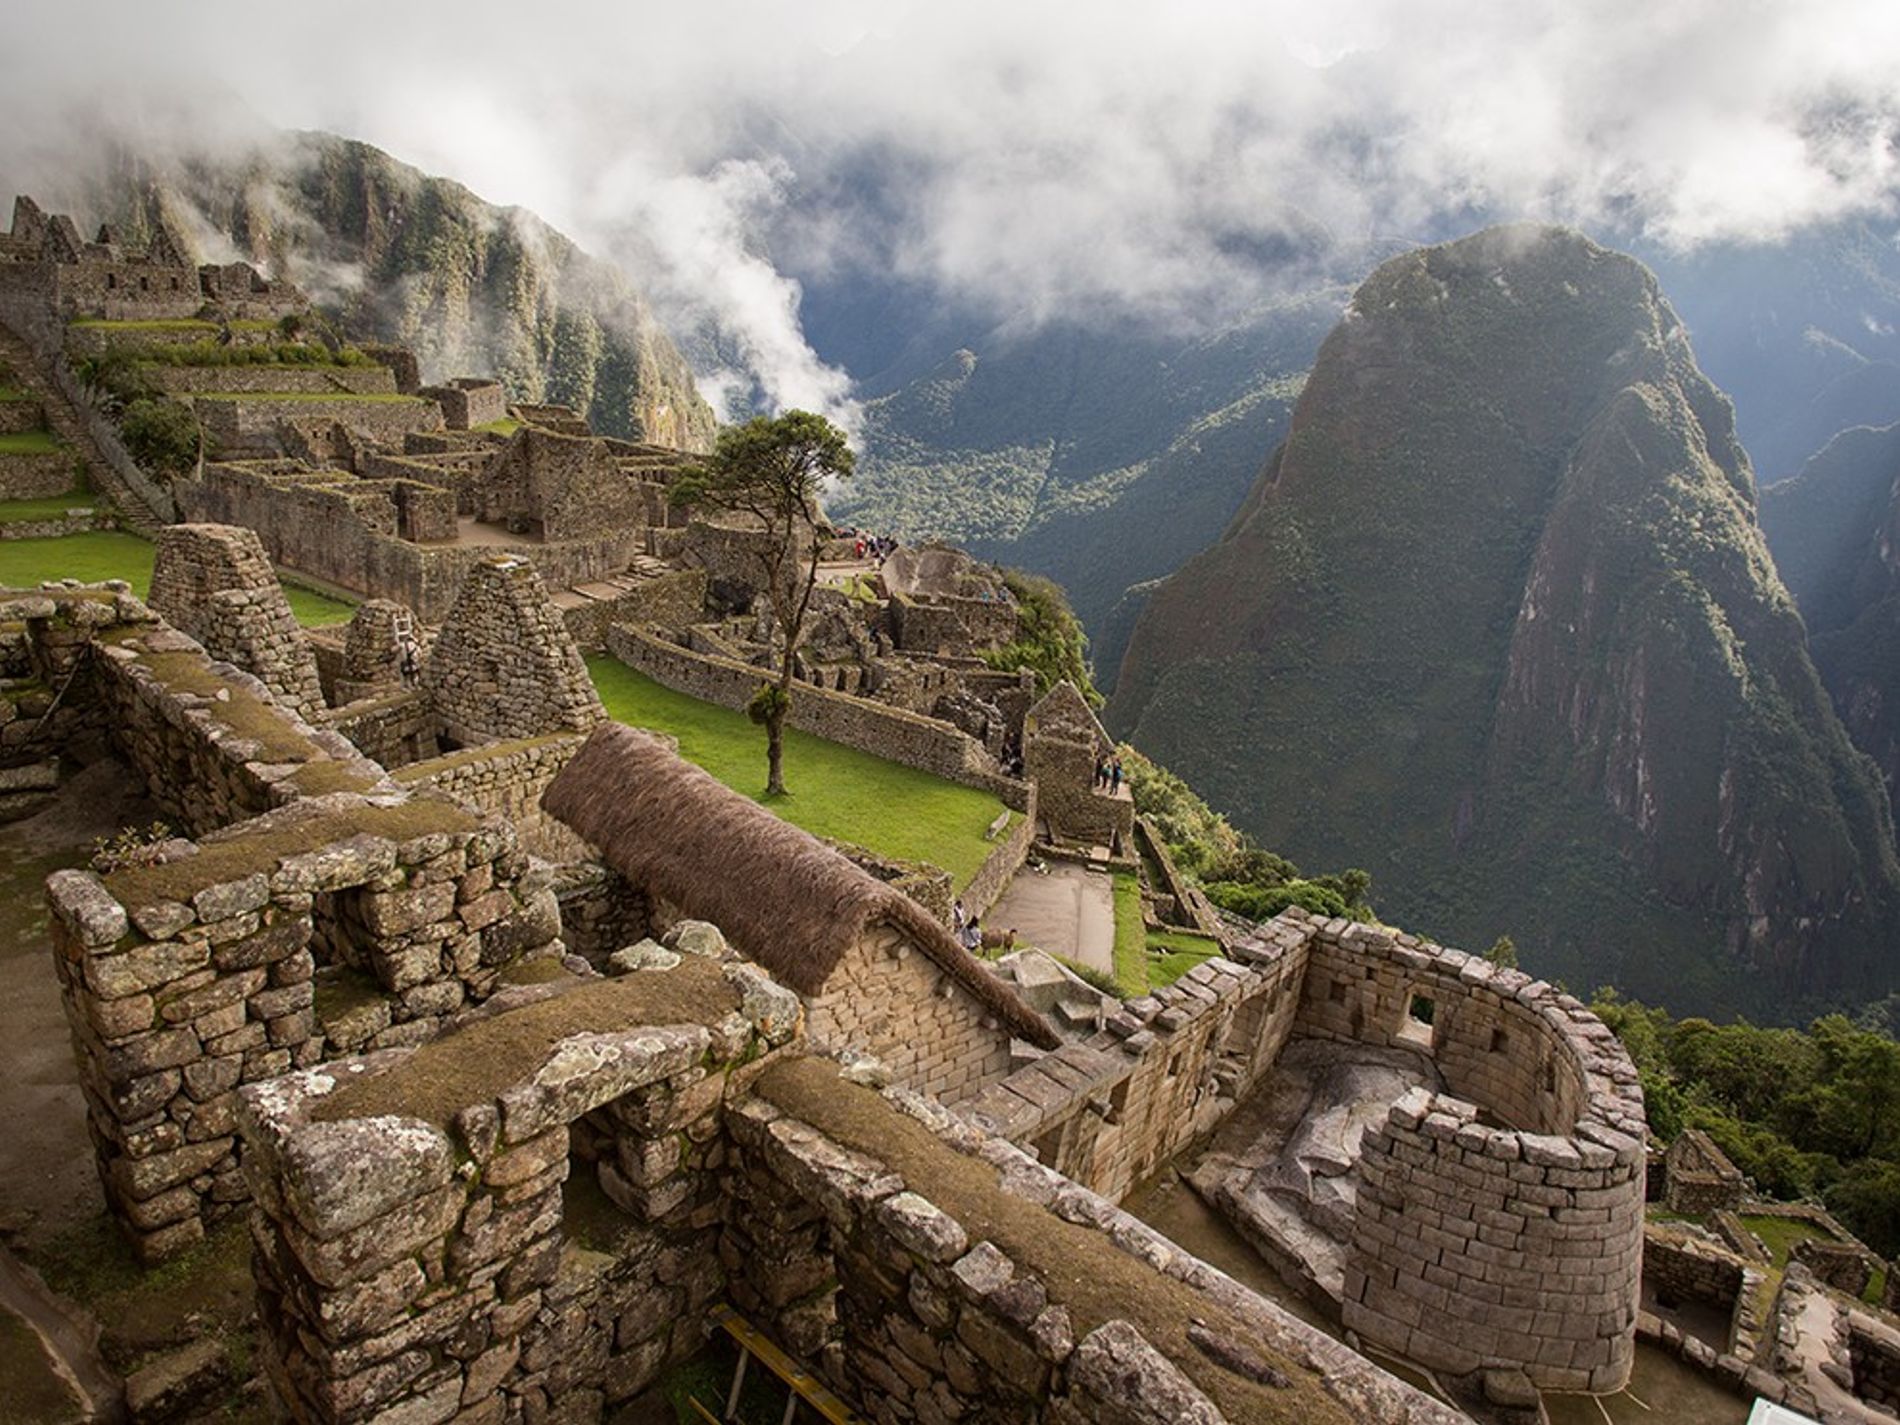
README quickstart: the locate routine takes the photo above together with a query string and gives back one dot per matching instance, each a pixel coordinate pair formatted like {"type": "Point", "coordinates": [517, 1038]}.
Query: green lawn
{"type": "Point", "coordinates": [29, 442]}
{"type": "Point", "coordinates": [25, 563]}
{"type": "Point", "coordinates": [836, 791]}
{"type": "Point", "coordinates": [50, 508]}
{"type": "Point", "coordinates": [507, 425]}
{"type": "Point", "coordinates": [314, 610]}
{"type": "Point", "coordinates": [1779, 1234]}
{"type": "Point", "coordinates": [1131, 936]}
{"type": "Point", "coordinates": [1176, 952]}
{"type": "Point", "coordinates": [14, 393]}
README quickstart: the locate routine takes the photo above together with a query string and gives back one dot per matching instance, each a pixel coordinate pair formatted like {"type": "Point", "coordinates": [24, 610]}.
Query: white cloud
{"type": "Point", "coordinates": [1112, 160]}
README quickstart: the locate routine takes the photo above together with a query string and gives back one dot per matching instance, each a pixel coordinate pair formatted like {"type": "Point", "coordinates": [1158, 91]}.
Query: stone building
{"type": "Point", "coordinates": [878, 973]}
{"type": "Point", "coordinates": [468, 402]}
{"type": "Point", "coordinates": [552, 487]}
{"type": "Point", "coordinates": [45, 264]}
{"type": "Point", "coordinates": [503, 665]}
{"type": "Point", "coordinates": [1063, 744]}
{"type": "Point", "coordinates": [214, 582]}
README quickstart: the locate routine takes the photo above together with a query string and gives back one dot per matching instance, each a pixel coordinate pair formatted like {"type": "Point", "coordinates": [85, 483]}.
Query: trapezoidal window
{"type": "Point", "coordinates": [1415, 1026]}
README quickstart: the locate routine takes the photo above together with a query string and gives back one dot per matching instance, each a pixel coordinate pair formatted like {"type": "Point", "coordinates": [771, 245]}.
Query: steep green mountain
{"type": "Point", "coordinates": [1835, 533]}
{"type": "Point", "coordinates": [1098, 459]}
{"type": "Point", "coordinates": [1498, 624]}
{"type": "Point", "coordinates": [471, 288]}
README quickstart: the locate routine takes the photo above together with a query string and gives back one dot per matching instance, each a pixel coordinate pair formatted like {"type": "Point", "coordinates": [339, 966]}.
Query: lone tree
{"type": "Point", "coordinates": [772, 469]}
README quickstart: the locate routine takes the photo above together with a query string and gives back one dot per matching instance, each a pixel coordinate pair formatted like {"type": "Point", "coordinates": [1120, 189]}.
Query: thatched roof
{"type": "Point", "coordinates": [784, 898]}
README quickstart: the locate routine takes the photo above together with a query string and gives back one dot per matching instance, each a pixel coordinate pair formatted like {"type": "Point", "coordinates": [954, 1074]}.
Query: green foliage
{"type": "Point", "coordinates": [1503, 953]}
{"type": "Point", "coordinates": [1199, 838]}
{"type": "Point", "coordinates": [211, 353]}
{"type": "Point", "coordinates": [769, 702]}
{"type": "Point", "coordinates": [162, 435]}
{"type": "Point", "coordinates": [1801, 1112]}
{"type": "Point", "coordinates": [1049, 639]}
{"type": "Point", "coordinates": [1237, 875]}
{"type": "Point", "coordinates": [1258, 902]}
{"type": "Point", "coordinates": [843, 793]}
{"type": "Point", "coordinates": [773, 467]}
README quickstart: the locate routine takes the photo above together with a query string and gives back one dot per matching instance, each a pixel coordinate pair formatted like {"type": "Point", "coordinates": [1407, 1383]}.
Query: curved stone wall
{"type": "Point", "coordinates": [1499, 1224]}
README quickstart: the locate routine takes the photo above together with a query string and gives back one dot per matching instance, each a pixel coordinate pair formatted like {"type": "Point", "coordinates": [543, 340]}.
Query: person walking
{"type": "Point", "coordinates": [1115, 774]}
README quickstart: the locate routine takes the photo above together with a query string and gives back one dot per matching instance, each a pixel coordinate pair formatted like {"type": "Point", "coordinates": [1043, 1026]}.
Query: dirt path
{"type": "Point", "coordinates": [1068, 910]}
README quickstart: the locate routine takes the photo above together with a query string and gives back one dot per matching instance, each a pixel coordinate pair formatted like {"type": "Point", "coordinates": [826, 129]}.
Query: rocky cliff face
{"type": "Point", "coordinates": [472, 288]}
{"type": "Point", "coordinates": [1498, 623]}
{"type": "Point", "coordinates": [1835, 532]}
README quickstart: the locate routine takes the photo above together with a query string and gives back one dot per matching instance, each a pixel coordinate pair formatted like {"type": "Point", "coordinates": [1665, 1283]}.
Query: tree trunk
{"type": "Point", "coordinates": [775, 754]}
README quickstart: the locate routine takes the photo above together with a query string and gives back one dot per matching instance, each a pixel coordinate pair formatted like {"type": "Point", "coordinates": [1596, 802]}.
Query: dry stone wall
{"type": "Point", "coordinates": [215, 583]}
{"type": "Point", "coordinates": [1698, 1177]}
{"type": "Point", "coordinates": [418, 1268]}
{"type": "Point", "coordinates": [505, 780]}
{"type": "Point", "coordinates": [388, 1281]}
{"type": "Point", "coordinates": [185, 980]}
{"type": "Point", "coordinates": [345, 532]}
{"type": "Point", "coordinates": [38, 476]}
{"type": "Point", "coordinates": [1109, 1112]}
{"type": "Point", "coordinates": [890, 1000]}
{"type": "Point", "coordinates": [503, 665]}
{"type": "Point", "coordinates": [1474, 1245]}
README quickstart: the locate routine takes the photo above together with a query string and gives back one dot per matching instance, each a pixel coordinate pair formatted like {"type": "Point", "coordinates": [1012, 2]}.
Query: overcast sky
{"type": "Point", "coordinates": [1056, 160]}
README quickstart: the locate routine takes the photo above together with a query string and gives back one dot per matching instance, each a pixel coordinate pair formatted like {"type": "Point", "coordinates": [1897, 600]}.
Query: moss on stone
{"type": "Point", "coordinates": [1077, 1265]}
{"type": "Point", "coordinates": [250, 848]}
{"type": "Point", "coordinates": [473, 1065]}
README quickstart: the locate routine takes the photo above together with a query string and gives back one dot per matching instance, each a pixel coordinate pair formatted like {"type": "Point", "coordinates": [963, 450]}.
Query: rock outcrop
{"type": "Point", "coordinates": [1498, 623]}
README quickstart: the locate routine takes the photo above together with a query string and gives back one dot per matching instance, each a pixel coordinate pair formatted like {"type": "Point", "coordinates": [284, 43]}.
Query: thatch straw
{"type": "Point", "coordinates": [783, 898]}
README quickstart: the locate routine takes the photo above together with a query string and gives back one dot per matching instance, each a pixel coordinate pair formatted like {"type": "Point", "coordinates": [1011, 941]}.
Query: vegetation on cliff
{"type": "Point", "coordinates": [1497, 622]}
{"type": "Point", "coordinates": [1803, 1113]}
{"type": "Point", "coordinates": [473, 289]}
{"type": "Point", "coordinates": [1237, 875]}
{"type": "Point", "coordinates": [1835, 532]}
{"type": "Point", "coordinates": [1049, 639]}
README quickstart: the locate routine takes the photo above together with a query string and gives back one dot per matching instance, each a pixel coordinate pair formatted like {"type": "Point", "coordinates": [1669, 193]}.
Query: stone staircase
{"type": "Point", "coordinates": [24, 367]}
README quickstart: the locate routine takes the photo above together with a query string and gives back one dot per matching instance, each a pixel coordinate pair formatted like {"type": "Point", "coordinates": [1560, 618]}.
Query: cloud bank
{"type": "Point", "coordinates": [1082, 161]}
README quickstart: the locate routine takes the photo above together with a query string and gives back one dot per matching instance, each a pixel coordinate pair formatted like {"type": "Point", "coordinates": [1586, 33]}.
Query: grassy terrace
{"type": "Point", "coordinates": [30, 442]}
{"type": "Point", "coordinates": [50, 508]}
{"type": "Point", "coordinates": [836, 791]}
{"type": "Point", "coordinates": [174, 324]}
{"type": "Point", "coordinates": [386, 398]}
{"type": "Point", "coordinates": [25, 563]}
{"type": "Point", "coordinates": [1172, 953]}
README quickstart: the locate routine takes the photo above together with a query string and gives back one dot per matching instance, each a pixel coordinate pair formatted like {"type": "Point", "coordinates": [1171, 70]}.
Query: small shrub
{"type": "Point", "coordinates": [162, 435]}
{"type": "Point", "coordinates": [131, 846]}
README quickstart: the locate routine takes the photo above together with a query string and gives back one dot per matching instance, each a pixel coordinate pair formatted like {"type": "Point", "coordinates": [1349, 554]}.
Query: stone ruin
{"type": "Point", "coordinates": [331, 970]}
{"type": "Point", "coordinates": [1063, 742]}
{"type": "Point", "coordinates": [45, 265]}
{"type": "Point", "coordinates": [214, 583]}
